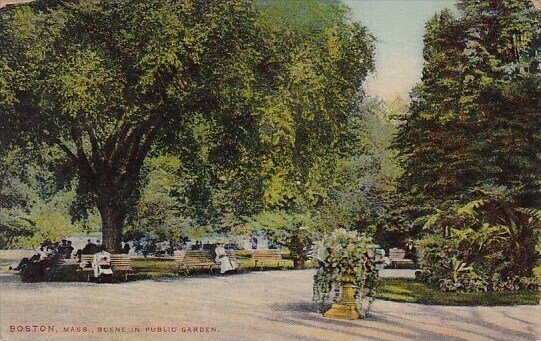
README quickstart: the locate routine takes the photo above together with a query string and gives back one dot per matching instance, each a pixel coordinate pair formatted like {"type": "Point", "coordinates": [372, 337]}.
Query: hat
{"type": "Point", "coordinates": [220, 241]}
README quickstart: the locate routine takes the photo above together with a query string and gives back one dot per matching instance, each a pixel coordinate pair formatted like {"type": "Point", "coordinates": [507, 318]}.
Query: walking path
{"type": "Point", "coordinates": [269, 305]}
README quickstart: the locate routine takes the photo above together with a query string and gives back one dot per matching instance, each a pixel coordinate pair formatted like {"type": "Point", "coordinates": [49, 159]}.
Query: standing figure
{"type": "Point", "coordinates": [221, 257]}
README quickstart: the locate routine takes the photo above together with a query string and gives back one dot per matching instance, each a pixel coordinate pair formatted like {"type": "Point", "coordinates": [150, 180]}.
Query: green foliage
{"type": "Point", "coordinates": [412, 291]}
{"type": "Point", "coordinates": [469, 145]}
{"type": "Point", "coordinates": [325, 58]}
{"type": "Point", "coordinates": [537, 275]}
{"type": "Point", "coordinates": [486, 244]}
{"type": "Point", "coordinates": [315, 60]}
{"type": "Point", "coordinates": [475, 117]}
{"type": "Point", "coordinates": [34, 206]}
{"type": "Point", "coordinates": [347, 254]}
{"type": "Point", "coordinates": [295, 231]}
{"type": "Point", "coordinates": [158, 210]}
{"type": "Point", "coordinates": [366, 169]}
{"type": "Point", "coordinates": [104, 81]}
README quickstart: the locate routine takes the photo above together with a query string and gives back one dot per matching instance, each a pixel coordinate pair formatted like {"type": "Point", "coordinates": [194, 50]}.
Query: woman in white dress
{"type": "Point", "coordinates": [102, 263]}
{"type": "Point", "coordinates": [221, 257]}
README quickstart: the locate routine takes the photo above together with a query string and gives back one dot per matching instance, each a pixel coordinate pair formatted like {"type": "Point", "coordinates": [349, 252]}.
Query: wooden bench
{"type": "Point", "coordinates": [195, 259]}
{"type": "Point", "coordinates": [397, 256]}
{"type": "Point", "coordinates": [267, 256]}
{"type": "Point", "coordinates": [120, 263]}
{"type": "Point", "coordinates": [232, 255]}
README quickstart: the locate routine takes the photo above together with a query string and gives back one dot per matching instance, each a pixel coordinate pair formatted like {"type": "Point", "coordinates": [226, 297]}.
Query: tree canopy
{"type": "Point", "coordinates": [224, 85]}
{"type": "Point", "coordinates": [475, 118]}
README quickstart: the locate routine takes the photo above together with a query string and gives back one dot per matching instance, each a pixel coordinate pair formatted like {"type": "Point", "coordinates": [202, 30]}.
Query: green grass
{"type": "Point", "coordinates": [157, 268]}
{"type": "Point", "coordinates": [153, 268]}
{"type": "Point", "coordinates": [412, 291]}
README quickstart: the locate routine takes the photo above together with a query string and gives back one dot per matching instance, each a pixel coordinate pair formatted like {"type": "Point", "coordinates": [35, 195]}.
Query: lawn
{"type": "Point", "coordinates": [146, 268]}
{"type": "Point", "coordinates": [412, 291]}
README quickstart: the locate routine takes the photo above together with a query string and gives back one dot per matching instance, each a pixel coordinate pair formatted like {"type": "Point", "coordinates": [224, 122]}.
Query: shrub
{"type": "Point", "coordinates": [536, 275]}
{"type": "Point", "coordinates": [347, 254]}
{"type": "Point", "coordinates": [293, 230]}
{"type": "Point", "coordinates": [489, 244]}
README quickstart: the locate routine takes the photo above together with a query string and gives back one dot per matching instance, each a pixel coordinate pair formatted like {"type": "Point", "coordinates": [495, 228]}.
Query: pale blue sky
{"type": "Point", "coordinates": [399, 27]}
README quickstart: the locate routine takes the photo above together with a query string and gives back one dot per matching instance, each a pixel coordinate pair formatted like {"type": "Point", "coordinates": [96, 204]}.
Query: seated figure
{"type": "Point", "coordinates": [102, 263]}
{"type": "Point", "coordinates": [221, 257]}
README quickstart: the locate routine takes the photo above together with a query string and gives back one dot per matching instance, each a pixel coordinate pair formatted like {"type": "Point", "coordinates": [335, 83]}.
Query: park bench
{"type": "Point", "coordinates": [120, 263]}
{"type": "Point", "coordinates": [397, 256]}
{"type": "Point", "coordinates": [268, 256]}
{"type": "Point", "coordinates": [232, 255]}
{"type": "Point", "coordinates": [195, 259]}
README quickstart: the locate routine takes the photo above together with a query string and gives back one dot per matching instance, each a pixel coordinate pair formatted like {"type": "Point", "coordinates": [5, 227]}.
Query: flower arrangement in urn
{"type": "Point", "coordinates": [348, 266]}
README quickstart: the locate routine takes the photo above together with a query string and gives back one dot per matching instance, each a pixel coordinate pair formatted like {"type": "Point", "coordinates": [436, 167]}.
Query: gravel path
{"type": "Point", "coordinates": [269, 305]}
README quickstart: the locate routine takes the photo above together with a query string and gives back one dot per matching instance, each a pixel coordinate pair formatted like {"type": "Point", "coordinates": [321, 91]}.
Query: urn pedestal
{"type": "Point", "coordinates": [345, 308]}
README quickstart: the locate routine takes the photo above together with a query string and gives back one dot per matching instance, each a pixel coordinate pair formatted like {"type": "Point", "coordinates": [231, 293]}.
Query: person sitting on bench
{"type": "Point", "coordinates": [40, 255]}
{"type": "Point", "coordinates": [102, 263]}
{"type": "Point", "coordinates": [89, 249]}
{"type": "Point", "coordinates": [411, 252]}
{"type": "Point", "coordinates": [221, 257]}
{"type": "Point", "coordinates": [68, 250]}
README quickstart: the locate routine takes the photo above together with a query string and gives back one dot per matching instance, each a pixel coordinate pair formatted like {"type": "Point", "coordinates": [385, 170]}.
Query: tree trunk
{"type": "Point", "coordinates": [298, 252]}
{"type": "Point", "coordinates": [113, 211]}
{"type": "Point", "coordinates": [298, 262]}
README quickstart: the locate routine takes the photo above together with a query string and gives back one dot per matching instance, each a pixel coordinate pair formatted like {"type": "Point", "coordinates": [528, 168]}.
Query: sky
{"type": "Point", "coordinates": [399, 27]}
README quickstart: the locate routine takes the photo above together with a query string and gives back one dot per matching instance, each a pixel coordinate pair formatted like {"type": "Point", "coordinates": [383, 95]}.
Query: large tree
{"type": "Point", "coordinates": [314, 60]}
{"type": "Point", "coordinates": [475, 118]}
{"type": "Point", "coordinates": [252, 98]}
{"type": "Point", "coordinates": [318, 58]}
{"type": "Point", "coordinates": [104, 80]}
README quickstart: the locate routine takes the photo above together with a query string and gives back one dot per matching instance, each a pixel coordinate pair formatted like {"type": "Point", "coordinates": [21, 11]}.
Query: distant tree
{"type": "Point", "coordinates": [366, 171]}
{"type": "Point", "coordinates": [159, 210]}
{"type": "Point", "coordinates": [34, 205]}
{"type": "Point", "coordinates": [326, 58]}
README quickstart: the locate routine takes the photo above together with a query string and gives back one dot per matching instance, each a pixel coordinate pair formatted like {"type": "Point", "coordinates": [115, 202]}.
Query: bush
{"type": "Point", "coordinates": [293, 230]}
{"type": "Point", "coordinates": [536, 275]}
{"type": "Point", "coordinates": [347, 254]}
{"type": "Point", "coordinates": [488, 244]}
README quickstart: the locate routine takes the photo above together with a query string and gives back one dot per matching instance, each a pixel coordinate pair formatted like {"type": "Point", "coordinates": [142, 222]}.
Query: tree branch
{"type": "Point", "coordinates": [96, 148]}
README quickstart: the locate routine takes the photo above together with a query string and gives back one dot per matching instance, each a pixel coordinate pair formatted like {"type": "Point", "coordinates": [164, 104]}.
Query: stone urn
{"type": "Point", "coordinates": [346, 307]}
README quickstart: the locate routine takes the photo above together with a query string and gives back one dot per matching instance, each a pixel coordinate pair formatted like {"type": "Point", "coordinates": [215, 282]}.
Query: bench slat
{"type": "Point", "coordinates": [267, 256]}
{"type": "Point", "coordinates": [119, 263]}
{"type": "Point", "coordinates": [195, 259]}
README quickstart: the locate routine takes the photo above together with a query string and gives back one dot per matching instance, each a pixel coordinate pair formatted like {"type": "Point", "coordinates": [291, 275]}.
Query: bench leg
{"type": "Point", "coordinates": [183, 270]}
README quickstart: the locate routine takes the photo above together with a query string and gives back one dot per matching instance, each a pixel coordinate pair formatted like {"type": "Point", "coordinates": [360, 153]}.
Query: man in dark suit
{"type": "Point", "coordinates": [411, 252]}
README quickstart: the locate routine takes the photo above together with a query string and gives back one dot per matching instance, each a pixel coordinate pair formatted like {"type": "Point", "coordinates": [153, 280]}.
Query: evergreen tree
{"type": "Point", "coordinates": [476, 117]}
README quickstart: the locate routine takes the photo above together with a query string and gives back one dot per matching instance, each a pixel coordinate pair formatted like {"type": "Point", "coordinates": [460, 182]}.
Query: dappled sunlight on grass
{"type": "Point", "coordinates": [412, 291]}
